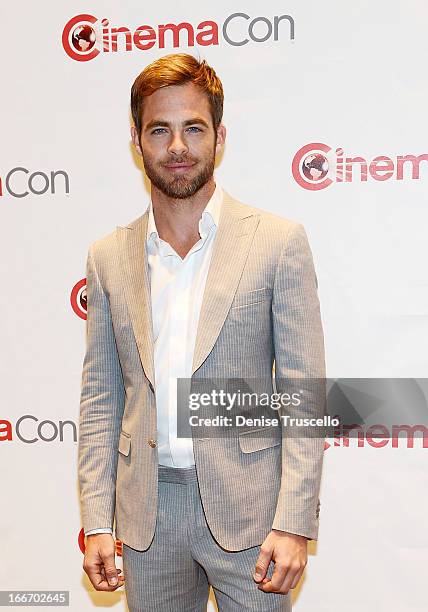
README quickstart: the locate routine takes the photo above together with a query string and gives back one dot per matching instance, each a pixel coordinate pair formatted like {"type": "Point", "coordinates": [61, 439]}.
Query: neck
{"type": "Point", "coordinates": [177, 219]}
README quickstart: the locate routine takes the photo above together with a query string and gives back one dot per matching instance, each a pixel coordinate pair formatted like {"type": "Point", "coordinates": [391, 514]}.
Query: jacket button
{"type": "Point", "coordinates": [152, 443]}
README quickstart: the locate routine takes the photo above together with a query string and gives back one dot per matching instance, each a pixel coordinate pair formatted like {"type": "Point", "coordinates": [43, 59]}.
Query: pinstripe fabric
{"type": "Point", "coordinates": [184, 559]}
{"type": "Point", "coordinates": [248, 485]}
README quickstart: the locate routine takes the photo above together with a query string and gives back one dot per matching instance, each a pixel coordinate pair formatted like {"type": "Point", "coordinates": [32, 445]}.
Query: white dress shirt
{"type": "Point", "coordinates": [177, 286]}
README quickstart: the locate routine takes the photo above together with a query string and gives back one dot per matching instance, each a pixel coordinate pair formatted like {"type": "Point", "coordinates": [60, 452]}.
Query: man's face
{"type": "Point", "coordinates": [178, 140]}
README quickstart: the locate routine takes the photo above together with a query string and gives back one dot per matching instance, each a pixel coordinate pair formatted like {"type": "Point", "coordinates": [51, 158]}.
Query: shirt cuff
{"type": "Point", "coordinates": [102, 530]}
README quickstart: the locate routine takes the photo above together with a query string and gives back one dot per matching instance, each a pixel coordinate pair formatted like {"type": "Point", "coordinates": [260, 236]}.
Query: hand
{"type": "Point", "coordinates": [99, 562]}
{"type": "Point", "coordinates": [289, 553]}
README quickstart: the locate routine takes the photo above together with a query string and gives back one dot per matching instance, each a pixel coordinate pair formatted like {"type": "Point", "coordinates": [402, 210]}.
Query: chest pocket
{"type": "Point", "coordinates": [248, 298]}
{"type": "Point", "coordinates": [251, 441]}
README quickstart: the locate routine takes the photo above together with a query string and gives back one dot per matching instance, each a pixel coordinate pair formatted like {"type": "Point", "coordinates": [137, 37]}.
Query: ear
{"type": "Point", "coordinates": [134, 136]}
{"type": "Point", "coordinates": [221, 138]}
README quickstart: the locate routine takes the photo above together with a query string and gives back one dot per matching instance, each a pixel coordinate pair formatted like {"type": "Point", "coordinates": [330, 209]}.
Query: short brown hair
{"type": "Point", "coordinates": [177, 69]}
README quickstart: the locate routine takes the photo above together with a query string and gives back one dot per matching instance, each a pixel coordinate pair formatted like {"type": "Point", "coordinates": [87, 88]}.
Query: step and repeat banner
{"type": "Point", "coordinates": [325, 109]}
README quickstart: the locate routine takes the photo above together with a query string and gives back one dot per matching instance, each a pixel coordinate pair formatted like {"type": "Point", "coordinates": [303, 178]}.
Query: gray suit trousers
{"type": "Point", "coordinates": [174, 574]}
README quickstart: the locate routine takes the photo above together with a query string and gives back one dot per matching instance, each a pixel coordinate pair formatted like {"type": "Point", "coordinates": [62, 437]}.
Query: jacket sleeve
{"type": "Point", "coordinates": [299, 365]}
{"type": "Point", "coordinates": [101, 409]}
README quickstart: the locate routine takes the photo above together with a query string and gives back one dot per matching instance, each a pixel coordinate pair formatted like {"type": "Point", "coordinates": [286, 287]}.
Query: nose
{"type": "Point", "coordinates": [177, 145]}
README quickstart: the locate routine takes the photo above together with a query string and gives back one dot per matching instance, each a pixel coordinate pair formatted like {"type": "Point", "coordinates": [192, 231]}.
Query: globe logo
{"type": "Point", "coordinates": [83, 301]}
{"type": "Point", "coordinates": [315, 166]}
{"type": "Point", "coordinates": [79, 300]}
{"type": "Point", "coordinates": [83, 38]}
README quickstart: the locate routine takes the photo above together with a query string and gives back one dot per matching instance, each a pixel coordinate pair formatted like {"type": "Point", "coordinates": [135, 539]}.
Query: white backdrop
{"type": "Point", "coordinates": [343, 75]}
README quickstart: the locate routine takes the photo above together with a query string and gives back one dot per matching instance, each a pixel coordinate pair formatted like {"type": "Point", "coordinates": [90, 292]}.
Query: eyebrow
{"type": "Point", "coordinates": [162, 123]}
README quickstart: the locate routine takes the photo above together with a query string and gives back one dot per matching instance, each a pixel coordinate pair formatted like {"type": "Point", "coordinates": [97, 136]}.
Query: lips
{"type": "Point", "coordinates": [174, 166]}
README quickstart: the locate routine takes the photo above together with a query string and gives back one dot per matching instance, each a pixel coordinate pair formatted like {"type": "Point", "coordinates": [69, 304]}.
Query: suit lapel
{"type": "Point", "coordinates": [133, 256]}
{"type": "Point", "coordinates": [230, 251]}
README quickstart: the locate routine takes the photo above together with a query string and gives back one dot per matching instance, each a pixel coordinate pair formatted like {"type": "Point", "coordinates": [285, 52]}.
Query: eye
{"type": "Point", "coordinates": [193, 127]}
{"type": "Point", "coordinates": [158, 130]}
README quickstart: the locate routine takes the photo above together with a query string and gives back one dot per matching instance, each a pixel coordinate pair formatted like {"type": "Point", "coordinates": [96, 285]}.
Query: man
{"type": "Point", "coordinates": [200, 286]}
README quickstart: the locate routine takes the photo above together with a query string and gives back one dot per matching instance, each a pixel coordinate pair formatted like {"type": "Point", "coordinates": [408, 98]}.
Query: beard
{"type": "Point", "coordinates": [179, 187]}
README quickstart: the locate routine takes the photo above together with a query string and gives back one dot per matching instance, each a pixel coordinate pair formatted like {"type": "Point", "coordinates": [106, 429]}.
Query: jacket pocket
{"type": "Point", "coordinates": [251, 297]}
{"type": "Point", "coordinates": [250, 441]}
{"type": "Point", "coordinates": [124, 443]}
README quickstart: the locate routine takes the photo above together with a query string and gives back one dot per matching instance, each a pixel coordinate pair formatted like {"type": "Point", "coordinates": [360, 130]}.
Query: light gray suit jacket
{"type": "Point", "coordinates": [260, 305]}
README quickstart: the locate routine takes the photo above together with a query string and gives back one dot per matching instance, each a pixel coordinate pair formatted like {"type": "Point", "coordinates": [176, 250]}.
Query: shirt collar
{"type": "Point", "coordinates": [210, 216]}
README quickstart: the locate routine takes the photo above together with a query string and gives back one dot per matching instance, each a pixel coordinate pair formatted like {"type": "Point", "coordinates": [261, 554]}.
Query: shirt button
{"type": "Point", "coordinates": [152, 443]}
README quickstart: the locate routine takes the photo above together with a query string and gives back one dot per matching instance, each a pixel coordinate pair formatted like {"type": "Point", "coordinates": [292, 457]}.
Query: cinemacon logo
{"type": "Point", "coordinates": [19, 182]}
{"type": "Point", "coordinates": [379, 436]}
{"type": "Point", "coordinates": [85, 36]}
{"type": "Point", "coordinates": [316, 166]}
{"type": "Point", "coordinates": [29, 429]}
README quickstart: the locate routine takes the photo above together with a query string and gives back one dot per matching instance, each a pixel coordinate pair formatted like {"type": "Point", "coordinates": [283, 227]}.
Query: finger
{"type": "Point", "coordinates": [110, 569]}
{"type": "Point", "coordinates": [297, 578]}
{"type": "Point", "coordinates": [262, 564]}
{"type": "Point", "coordinates": [105, 586]}
{"type": "Point", "coordinates": [278, 576]}
{"type": "Point", "coordinates": [292, 578]}
{"type": "Point", "coordinates": [121, 578]}
{"type": "Point", "coordinates": [118, 570]}
{"type": "Point", "coordinates": [104, 574]}
{"type": "Point", "coordinates": [99, 581]}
